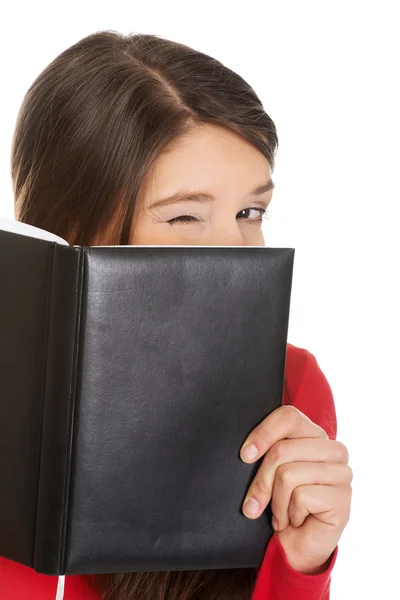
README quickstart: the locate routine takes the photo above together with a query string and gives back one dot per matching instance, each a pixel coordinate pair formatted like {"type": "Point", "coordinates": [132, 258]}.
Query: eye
{"type": "Point", "coordinates": [190, 219]}
{"type": "Point", "coordinates": [264, 214]}
{"type": "Point", "coordinates": [182, 219]}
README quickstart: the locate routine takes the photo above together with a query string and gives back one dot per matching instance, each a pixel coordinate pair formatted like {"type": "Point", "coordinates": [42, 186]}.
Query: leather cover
{"type": "Point", "coordinates": [130, 376]}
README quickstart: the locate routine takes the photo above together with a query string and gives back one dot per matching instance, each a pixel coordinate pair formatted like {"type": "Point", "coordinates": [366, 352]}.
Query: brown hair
{"type": "Point", "coordinates": [89, 128]}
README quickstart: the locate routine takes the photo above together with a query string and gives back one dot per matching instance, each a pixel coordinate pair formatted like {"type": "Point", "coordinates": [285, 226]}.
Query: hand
{"type": "Point", "coordinates": [308, 479]}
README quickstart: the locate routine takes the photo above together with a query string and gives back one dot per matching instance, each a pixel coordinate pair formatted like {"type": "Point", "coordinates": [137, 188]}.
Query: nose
{"type": "Point", "coordinates": [233, 236]}
{"type": "Point", "coordinates": [225, 237]}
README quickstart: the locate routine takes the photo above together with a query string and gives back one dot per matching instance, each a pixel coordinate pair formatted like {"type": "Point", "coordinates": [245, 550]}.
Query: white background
{"type": "Point", "coordinates": [328, 75]}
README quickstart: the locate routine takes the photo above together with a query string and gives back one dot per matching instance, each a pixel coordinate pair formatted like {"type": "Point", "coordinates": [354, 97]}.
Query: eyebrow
{"type": "Point", "coordinates": [194, 196]}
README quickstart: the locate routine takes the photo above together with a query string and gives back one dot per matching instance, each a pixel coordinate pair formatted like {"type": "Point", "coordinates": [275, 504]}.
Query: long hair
{"type": "Point", "coordinates": [88, 130]}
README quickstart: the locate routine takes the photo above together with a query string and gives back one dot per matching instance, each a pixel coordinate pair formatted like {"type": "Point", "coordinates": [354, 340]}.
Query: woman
{"type": "Point", "coordinates": [139, 140]}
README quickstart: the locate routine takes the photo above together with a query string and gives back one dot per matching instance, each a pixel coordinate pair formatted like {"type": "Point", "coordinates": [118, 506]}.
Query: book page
{"type": "Point", "coordinates": [30, 230]}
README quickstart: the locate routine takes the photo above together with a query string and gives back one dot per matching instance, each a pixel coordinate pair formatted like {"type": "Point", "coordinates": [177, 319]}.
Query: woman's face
{"type": "Point", "coordinates": [209, 161]}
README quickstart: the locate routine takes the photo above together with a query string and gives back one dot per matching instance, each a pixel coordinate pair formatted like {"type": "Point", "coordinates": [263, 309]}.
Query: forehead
{"type": "Point", "coordinates": [211, 158]}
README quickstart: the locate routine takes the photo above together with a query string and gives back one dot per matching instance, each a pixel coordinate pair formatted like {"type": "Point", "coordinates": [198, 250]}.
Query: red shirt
{"type": "Point", "coordinates": [308, 390]}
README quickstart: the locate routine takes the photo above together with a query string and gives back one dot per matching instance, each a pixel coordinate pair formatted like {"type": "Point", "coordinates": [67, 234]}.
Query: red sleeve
{"type": "Point", "coordinates": [18, 582]}
{"type": "Point", "coordinates": [306, 388]}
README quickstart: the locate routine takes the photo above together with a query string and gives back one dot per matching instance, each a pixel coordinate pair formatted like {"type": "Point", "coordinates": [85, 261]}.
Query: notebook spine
{"type": "Point", "coordinates": [63, 336]}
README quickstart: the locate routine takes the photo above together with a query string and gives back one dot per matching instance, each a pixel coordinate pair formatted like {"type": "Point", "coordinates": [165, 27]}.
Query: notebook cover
{"type": "Point", "coordinates": [124, 435]}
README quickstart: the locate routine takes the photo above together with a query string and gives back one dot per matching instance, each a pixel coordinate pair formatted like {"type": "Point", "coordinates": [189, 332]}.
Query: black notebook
{"type": "Point", "coordinates": [130, 376]}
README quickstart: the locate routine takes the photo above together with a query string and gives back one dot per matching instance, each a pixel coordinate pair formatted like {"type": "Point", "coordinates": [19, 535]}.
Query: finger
{"type": "Point", "coordinates": [294, 450]}
{"type": "Point", "coordinates": [330, 504]}
{"type": "Point", "coordinates": [284, 422]}
{"type": "Point", "coordinates": [288, 476]}
{"type": "Point", "coordinates": [291, 475]}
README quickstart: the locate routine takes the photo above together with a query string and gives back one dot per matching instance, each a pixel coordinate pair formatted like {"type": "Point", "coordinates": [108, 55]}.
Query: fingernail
{"type": "Point", "coordinates": [251, 506]}
{"type": "Point", "coordinates": [275, 523]}
{"type": "Point", "coordinates": [249, 452]}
